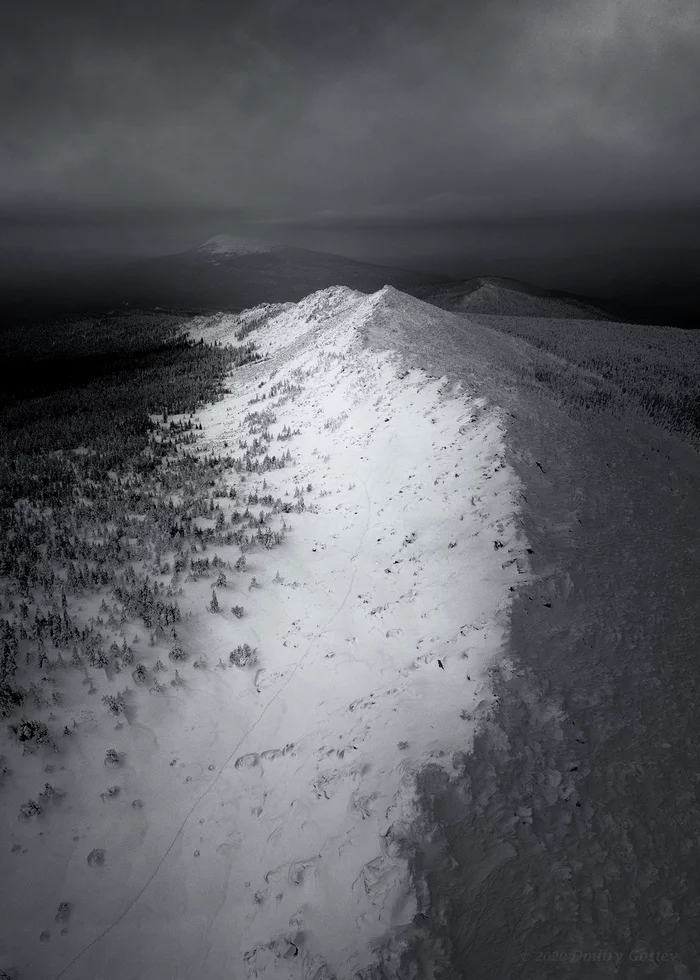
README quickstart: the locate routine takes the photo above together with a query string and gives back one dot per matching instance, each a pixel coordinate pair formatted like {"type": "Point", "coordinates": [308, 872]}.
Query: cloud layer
{"type": "Point", "coordinates": [304, 108]}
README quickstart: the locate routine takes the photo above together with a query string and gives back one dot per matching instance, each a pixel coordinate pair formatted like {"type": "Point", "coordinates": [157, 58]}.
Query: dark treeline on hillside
{"type": "Point", "coordinates": [92, 385]}
{"type": "Point", "coordinates": [614, 366]}
{"type": "Point", "coordinates": [107, 497]}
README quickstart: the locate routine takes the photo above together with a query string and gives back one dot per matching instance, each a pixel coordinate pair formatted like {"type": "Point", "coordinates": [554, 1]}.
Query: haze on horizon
{"type": "Point", "coordinates": [434, 134]}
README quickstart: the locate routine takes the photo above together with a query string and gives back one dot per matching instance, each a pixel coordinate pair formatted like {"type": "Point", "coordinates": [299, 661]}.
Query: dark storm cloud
{"type": "Point", "coordinates": [378, 110]}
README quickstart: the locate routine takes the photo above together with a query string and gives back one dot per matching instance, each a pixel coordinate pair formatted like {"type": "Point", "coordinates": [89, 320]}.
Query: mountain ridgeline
{"type": "Point", "coordinates": [230, 274]}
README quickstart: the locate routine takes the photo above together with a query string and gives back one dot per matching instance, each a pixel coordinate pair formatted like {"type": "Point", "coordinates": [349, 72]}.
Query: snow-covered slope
{"type": "Point", "coordinates": [275, 818]}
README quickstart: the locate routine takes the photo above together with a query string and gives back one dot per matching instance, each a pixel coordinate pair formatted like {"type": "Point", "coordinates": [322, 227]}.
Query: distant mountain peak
{"type": "Point", "coordinates": [231, 245]}
{"type": "Point", "coordinates": [236, 273]}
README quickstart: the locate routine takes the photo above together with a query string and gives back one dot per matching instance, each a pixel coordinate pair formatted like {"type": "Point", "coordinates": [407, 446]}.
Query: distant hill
{"type": "Point", "coordinates": [223, 273]}
{"type": "Point", "coordinates": [509, 297]}
{"type": "Point", "coordinates": [227, 273]}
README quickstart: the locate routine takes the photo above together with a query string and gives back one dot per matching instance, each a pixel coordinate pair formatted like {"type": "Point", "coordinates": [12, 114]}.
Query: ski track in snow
{"type": "Point", "coordinates": [299, 863]}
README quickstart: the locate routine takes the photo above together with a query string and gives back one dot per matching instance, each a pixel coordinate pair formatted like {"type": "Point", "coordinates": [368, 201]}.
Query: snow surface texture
{"type": "Point", "coordinates": [275, 810]}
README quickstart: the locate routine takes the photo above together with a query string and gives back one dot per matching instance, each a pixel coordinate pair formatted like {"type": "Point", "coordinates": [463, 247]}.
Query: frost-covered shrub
{"type": "Point", "coordinates": [110, 793]}
{"type": "Point", "coordinates": [115, 702]}
{"type": "Point", "coordinates": [10, 698]}
{"type": "Point", "coordinates": [177, 654]}
{"type": "Point", "coordinates": [97, 658]}
{"type": "Point", "coordinates": [63, 913]}
{"type": "Point", "coordinates": [29, 809]}
{"type": "Point", "coordinates": [49, 793]}
{"type": "Point", "coordinates": [243, 656]}
{"type": "Point", "coordinates": [237, 611]}
{"type": "Point", "coordinates": [112, 757]}
{"type": "Point", "coordinates": [28, 731]}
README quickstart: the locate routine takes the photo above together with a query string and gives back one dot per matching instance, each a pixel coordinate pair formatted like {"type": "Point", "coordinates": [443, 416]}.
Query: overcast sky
{"type": "Point", "coordinates": [357, 110]}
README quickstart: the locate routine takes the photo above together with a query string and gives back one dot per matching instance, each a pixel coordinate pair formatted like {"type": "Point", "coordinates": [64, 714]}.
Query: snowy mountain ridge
{"type": "Point", "coordinates": [277, 326]}
{"type": "Point", "coordinates": [264, 820]}
{"type": "Point", "coordinates": [399, 454]}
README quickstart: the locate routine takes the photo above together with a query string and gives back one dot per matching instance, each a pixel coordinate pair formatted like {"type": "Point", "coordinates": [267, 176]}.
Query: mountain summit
{"type": "Point", "coordinates": [225, 244]}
